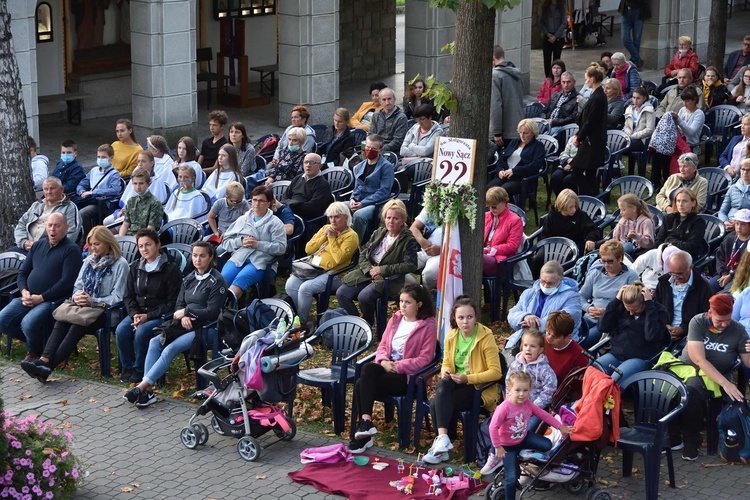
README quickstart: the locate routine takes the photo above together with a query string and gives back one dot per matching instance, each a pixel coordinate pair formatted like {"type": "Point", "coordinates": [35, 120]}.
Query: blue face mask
{"type": "Point", "coordinates": [67, 158]}
{"type": "Point", "coordinates": [102, 163]}
{"type": "Point", "coordinates": [293, 148]}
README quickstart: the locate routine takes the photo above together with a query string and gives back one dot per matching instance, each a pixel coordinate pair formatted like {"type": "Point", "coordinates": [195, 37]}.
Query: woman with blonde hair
{"type": "Point", "coordinates": [615, 104]}
{"type": "Point", "coordinates": [227, 171]}
{"type": "Point", "coordinates": [341, 144]}
{"type": "Point", "coordinates": [635, 229]}
{"type": "Point", "coordinates": [522, 157]}
{"type": "Point", "coordinates": [638, 327]}
{"type": "Point", "coordinates": [683, 228]}
{"type": "Point", "coordinates": [100, 283]}
{"type": "Point", "coordinates": [566, 218]}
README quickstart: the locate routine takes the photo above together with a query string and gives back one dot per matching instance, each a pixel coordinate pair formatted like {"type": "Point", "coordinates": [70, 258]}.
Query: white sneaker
{"type": "Point", "coordinates": [493, 463]}
{"type": "Point", "coordinates": [434, 459]}
{"type": "Point", "coordinates": [442, 444]}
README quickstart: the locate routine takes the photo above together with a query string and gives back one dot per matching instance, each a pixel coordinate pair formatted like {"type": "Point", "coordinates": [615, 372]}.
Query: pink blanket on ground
{"type": "Point", "coordinates": [365, 483]}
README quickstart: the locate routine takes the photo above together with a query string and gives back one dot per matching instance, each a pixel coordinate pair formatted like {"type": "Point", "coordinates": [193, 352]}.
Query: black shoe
{"type": "Point", "coordinates": [125, 375]}
{"type": "Point", "coordinates": [132, 395]}
{"type": "Point", "coordinates": [366, 429]}
{"type": "Point", "coordinates": [136, 377]}
{"type": "Point", "coordinates": [43, 370]}
{"type": "Point", "coordinates": [360, 445]}
{"type": "Point", "coordinates": [145, 399]}
{"type": "Point", "coordinates": [29, 367]}
{"type": "Point", "coordinates": [690, 453]}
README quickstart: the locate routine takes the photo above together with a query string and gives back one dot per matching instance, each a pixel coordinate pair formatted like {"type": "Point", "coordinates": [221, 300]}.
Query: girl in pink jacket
{"type": "Point", "coordinates": [408, 345]}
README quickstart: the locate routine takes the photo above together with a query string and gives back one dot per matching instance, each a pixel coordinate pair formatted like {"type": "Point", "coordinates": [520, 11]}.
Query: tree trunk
{"type": "Point", "coordinates": [16, 185]}
{"type": "Point", "coordinates": [472, 74]}
{"type": "Point", "coordinates": [717, 29]}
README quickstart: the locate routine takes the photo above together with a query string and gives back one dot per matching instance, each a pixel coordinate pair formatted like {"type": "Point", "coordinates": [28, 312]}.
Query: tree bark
{"type": "Point", "coordinates": [16, 185]}
{"type": "Point", "coordinates": [717, 29]}
{"type": "Point", "coordinates": [472, 74]}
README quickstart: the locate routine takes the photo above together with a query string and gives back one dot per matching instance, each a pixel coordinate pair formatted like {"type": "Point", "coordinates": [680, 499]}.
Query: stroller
{"type": "Point", "coordinates": [573, 461]}
{"type": "Point", "coordinates": [268, 366]}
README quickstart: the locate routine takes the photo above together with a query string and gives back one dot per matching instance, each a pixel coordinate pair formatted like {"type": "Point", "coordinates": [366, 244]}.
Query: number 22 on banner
{"type": "Point", "coordinates": [454, 160]}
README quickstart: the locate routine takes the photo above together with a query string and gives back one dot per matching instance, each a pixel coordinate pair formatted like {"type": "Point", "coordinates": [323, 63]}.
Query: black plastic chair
{"type": "Point", "coordinates": [323, 298]}
{"type": "Point", "coordinates": [651, 87]}
{"type": "Point", "coordinates": [340, 179]}
{"type": "Point", "coordinates": [519, 212]}
{"type": "Point", "coordinates": [351, 336]}
{"type": "Point", "coordinates": [639, 186]}
{"type": "Point", "coordinates": [594, 208]}
{"type": "Point", "coordinates": [129, 248]}
{"type": "Point", "coordinates": [721, 120]}
{"type": "Point", "coordinates": [183, 256]}
{"type": "Point", "coordinates": [533, 110]}
{"type": "Point", "coordinates": [564, 134]}
{"type": "Point", "coordinates": [208, 77]}
{"type": "Point", "coordinates": [719, 181]}
{"type": "Point", "coordinates": [186, 231]}
{"type": "Point", "coordinates": [713, 236]}
{"type": "Point", "coordinates": [529, 187]}
{"type": "Point", "coordinates": [469, 418]}
{"type": "Point", "coordinates": [279, 189]}
{"type": "Point", "coordinates": [658, 217]}
{"type": "Point", "coordinates": [404, 405]}
{"type": "Point", "coordinates": [8, 261]}
{"type": "Point", "coordinates": [542, 123]}
{"type": "Point", "coordinates": [281, 309]}
{"type": "Point", "coordinates": [104, 337]}
{"type": "Point", "coordinates": [654, 395]}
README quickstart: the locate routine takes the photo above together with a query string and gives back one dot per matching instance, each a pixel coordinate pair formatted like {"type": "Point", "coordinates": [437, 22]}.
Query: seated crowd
{"type": "Point", "coordinates": [646, 288]}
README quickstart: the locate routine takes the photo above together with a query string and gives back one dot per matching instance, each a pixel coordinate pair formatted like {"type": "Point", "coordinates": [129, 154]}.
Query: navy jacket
{"type": "Point", "coordinates": [726, 156]}
{"type": "Point", "coordinates": [532, 158]}
{"type": "Point", "coordinates": [70, 175]}
{"type": "Point", "coordinates": [51, 271]}
{"type": "Point", "coordinates": [343, 144]}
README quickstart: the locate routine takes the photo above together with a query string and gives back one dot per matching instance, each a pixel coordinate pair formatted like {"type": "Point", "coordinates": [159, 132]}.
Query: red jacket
{"type": "Point", "coordinates": [419, 348]}
{"type": "Point", "coordinates": [548, 88]}
{"type": "Point", "coordinates": [689, 61]}
{"type": "Point", "coordinates": [597, 387]}
{"type": "Point", "coordinates": [508, 234]}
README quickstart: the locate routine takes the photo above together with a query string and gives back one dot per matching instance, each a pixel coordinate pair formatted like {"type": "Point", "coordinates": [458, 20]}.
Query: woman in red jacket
{"type": "Point", "coordinates": [503, 231]}
{"type": "Point", "coordinates": [408, 345]}
{"type": "Point", "coordinates": [683, 58]}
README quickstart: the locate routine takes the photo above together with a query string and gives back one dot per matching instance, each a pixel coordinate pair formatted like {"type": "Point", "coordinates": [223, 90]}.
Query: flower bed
{"type": "Point", "coordinates": [39, 461]}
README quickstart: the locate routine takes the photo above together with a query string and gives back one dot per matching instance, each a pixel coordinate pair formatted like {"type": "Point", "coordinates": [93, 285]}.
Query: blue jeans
{"type": "Point", "coordinates": [628, 247]}
{"type": "Point", "coordinates": [159, 356]}
{"type": "Point", "coordinates": [30, 323]}
{"type": "Point", "coordinates": [594, 334]}
{"type": "Point", "coordinates": [243, 277]}
{"type": "Point", "coordinates": [628, 367]}
{"type": "Point", "coordinates": [510, 461]}
{"type": "Point", "coordinates": [632, 29]}
{"type": "Point", "coordinates": [133, 344]}
{"type": "Point", "coordinates": [361, 218]}
{"type": "Point", "coordinates": [302, 291]}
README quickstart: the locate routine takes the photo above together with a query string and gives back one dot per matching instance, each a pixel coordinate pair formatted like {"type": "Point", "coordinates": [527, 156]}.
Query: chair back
{"type": "Point", "coordinates": [299, 228]}
{"type": "Point", "coordinates": [350, 335]}
{"type": "Point", "coordinates": [723, 117]}
{"type": "Point", "coordinates": [395, 189]}
{"type": "Point", "coordinates": [281, 309]}
{"type": "Point", "coordinates": [617, 142]}
{"type": "Point", "coordinates": [359, 137]}
{"type": "Point", "coordinates": [321, 133]}
{"type": "Point", "coordinates": [260, 164]}
{"type": "Point", "coordinates": [542, 123]}
{"type": "Point", "coordinates": [551, 147]}
{"type": "Point", "coordinates": [594, 208]}
{"type": "Point", "coordinates": [558, 248]}
{"type": "Point", "coordinates": [719, 181]}
{"type": "Point", "coordinates": [654, 393]}
{"type": "Point", "coordinates": [639, 186]}
{"type": "Point", "coordinates": [658, 217]}
{"type": "Point", "coordinates": [715, 230]}
{"type": "Point", "coordinates": [182, 254]}
{"type": "Point", "coordinates": [340, 179]}
{"type": "Point", "coordinates": [564, 134]}
{"type": "Point", "coordinates": [391, 157]}
{"type": "Point", "coordinates": [279, 189]}
{"type": "Point", "coordinates": [186, 231]}
{"type": "Point", "coordinates": [128, 247]}
{"type": "Point", "coordinates": [533, 110]}
{"type": "Point", "coordinates": [204, 54]}
{"type": "Point", "coordinates": [651, 87]}
{"type": "Point", "coordinates": [519, 212]}
{"type": "Point", "coordinates": [422, 170]}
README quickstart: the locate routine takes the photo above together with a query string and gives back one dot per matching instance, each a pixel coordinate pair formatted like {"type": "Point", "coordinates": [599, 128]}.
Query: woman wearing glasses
{"type": "Point", "coordinates": [255, 239]}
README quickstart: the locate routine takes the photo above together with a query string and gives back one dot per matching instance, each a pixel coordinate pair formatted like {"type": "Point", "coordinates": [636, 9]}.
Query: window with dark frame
{"type": "Point", "coordinates": [43, 23]}
{"type": "Point", "coordinates": [243, 8]}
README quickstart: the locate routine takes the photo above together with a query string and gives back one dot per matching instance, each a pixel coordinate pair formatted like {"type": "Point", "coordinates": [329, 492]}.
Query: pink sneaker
{"type": "Point", "coordinates": [493, 463]}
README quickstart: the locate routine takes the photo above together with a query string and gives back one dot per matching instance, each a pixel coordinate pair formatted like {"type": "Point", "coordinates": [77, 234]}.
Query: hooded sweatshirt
{"type": "Point", "coordinates": [543, 378]}
{"type": "Point", "coordinates": [507, 100]}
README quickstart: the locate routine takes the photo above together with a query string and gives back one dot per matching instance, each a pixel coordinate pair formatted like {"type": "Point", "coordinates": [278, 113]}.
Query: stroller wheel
{"type": "Point", "coordinates": [489, 490]}
{"type": "Point", "coordinates": [201, 431]}
{"type": "Point", "coordinates": [576, 486]}
{"type": "Point", "coordinates": [248, 448]}
{"type": "Point", "coordinates": [288, 435]}
{"type": "Point", "coordinates": [216, 427]}
{"type": "Point", "coordinates": [189, 437]}
{"type": "Point", "coordinates": [598, 494]}
{"type": "Point", "coordinates": [497, 494]}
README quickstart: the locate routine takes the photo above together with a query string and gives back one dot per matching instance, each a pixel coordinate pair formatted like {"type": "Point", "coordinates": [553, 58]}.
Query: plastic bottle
{"type": "Point", "coordinates": [296, 324]}
{"type": "Point", "coordinates": [280, 331]}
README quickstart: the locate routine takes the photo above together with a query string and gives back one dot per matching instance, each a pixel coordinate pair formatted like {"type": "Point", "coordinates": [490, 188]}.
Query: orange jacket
{"type": "Point", "coordinates": [597, 387]}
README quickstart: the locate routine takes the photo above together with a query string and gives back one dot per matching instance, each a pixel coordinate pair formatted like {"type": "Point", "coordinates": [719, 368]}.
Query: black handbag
{"type": "Point", "coordinates": [306, 271]}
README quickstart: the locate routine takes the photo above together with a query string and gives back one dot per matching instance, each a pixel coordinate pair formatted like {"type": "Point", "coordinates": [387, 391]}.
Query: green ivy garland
{"type": "Point", "coordinates": [448, 203]}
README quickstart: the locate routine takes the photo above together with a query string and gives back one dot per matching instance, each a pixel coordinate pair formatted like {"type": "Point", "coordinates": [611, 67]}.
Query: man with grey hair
{"type": "Point", "coordinates": [627, 73]}
{"type": "Point", "coordinates": [551, 292]}
{"type": "Point", "coordinates": [31, 226]}
{"type": "Point", "coordinates": [390, 122]}
{"type": "Point", "coordinates": [562, 107]}
{"type": "Point", "coordinates": [684, 293]}
{"type": "Point", "coordinates": [672, 101]}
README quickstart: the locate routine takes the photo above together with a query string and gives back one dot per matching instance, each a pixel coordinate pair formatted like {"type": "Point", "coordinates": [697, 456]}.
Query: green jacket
{"type": "Point", "coordinates": [685, 371]}
{"type": "Point", "coordinates": [143, 211]}
{"type": "Point", "coordinates": [400, 259]}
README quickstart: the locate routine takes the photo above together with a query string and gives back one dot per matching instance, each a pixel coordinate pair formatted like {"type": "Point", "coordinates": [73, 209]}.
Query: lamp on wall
{"type": "Point", "coordinates": [243, 8]}
{"type": "Point", "coordinates": [43, 23]}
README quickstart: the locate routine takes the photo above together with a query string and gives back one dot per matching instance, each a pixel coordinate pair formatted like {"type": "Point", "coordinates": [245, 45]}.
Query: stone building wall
{"type": "Point", "coordinates": [369, 28]}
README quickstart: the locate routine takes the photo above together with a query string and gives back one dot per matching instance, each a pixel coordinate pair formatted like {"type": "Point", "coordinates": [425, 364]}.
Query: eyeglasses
{"type": "Point", "coordinates": [745, 76]}
{"type": "Point", "coordinates": [260, 200]}
{"type": "Point", "coordinates": [745, 170]}
{"type": "Point", "coordinates": [608, 261]}
{"type": "Point", "coordinates": [234, 202]}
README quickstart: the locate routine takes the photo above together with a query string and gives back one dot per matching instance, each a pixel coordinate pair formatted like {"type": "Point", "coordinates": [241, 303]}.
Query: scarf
{"type": "Point", "coordinates": [621, 76]}
{"type": "Point", "coordinates": [707, 89]}
{"type": "Point", "coordinates": [560, 102]}
{"type": "Point", "coordinates": [98, 268]}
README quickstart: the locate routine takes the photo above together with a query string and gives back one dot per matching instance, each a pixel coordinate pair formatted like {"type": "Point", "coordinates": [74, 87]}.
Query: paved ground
{"type": "Point", "coordinates": [132, 453]}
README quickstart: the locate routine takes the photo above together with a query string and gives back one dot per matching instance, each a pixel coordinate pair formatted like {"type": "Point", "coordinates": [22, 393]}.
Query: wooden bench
{"type": "Point", "coordinates": [72, 100]}
{"type": "Point", "coordinates": [265, 72]}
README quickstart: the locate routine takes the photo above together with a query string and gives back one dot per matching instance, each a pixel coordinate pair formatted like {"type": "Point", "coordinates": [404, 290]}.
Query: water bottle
{"type": "Point", "coordinates": [280, 331]}
{"type": "Point", "coordinates": [731, 439]}
{"type": "Point", "coordinates": [296, 324]}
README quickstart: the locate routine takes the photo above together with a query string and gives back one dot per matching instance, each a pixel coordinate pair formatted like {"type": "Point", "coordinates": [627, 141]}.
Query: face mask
{"type": "Point", "coordinates": [682, 52]}
{"type": "Point", "coordinates": [293, 148]}
{"type": "Point", "coordinates": [102, 163]}
{"type": "Point", "coordinates": [67, 158]}
{"type": "Point", "coordinates": [371, 154]}
{"type": "Point", "coordinates": [680, 288]}
{"type": "Point", "coordinates": [549, 290]}
{"type": "Point", "coordinates": [140, 194]}
{"type": "Point", "coordinates": [183, 184]}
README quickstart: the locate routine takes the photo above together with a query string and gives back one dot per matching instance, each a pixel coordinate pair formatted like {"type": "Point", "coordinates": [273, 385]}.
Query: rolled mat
{"type": "Point", "coordinates": [365, 483]}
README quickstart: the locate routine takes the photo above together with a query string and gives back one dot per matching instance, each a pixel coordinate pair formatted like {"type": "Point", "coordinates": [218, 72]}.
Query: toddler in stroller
{"type": "Point", "coordinates": [262, 373]}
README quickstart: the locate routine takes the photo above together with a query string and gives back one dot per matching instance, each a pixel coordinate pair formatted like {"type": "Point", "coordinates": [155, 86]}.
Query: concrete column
{"type": "Point", "coordinates": [23, 30]}
{"type": "Point", "coordinates": [308, 58]}
{"type": "Point", "coordinates": [669, 20]}
{"type": "Point", "coordinates": [428, 29]}
{"type": "Point", "coordinates": [513, 33]}
{"type": "Point", "coordinates": [163, 66]}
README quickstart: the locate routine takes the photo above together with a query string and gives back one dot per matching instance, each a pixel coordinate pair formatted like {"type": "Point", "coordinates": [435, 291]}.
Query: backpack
{"type": "Point", "coordinates": [734, 432]}
{"type": "Point", "coordinates": [268, 145]}
{"type": "Point", "coordinates": [583, 266]}
{"type": "Point", "coordinates": [234, 325]}
{"type": "Point", "coordinates": [484, 443]}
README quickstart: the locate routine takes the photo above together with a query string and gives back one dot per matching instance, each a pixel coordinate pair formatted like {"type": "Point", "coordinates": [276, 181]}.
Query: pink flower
{"type": "Point", "coordinates": [74, 473]}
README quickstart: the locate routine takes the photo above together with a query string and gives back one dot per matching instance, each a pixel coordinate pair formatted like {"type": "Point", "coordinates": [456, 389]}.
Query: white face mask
{"type": "Point", "coordinates": [682, 52]}
{"type": "Point", "coordinates": [549, 290]}
{"type": "Point", "coordinates": [680, 288]}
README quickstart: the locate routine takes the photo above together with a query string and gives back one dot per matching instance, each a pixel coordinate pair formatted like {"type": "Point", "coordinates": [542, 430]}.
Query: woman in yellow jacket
{"type": "Point", "coordinates": [470, 359]}
{"type": "Point", "coordinates": [331, 248]}
{"type": "Point", "coordinates": [363, 116]}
